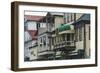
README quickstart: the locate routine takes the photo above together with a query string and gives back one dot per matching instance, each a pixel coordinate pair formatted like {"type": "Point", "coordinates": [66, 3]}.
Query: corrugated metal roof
{"type": "Point", "coordinates": [34, 18]}
{"type": "Point", "coordinates": [84, 17]}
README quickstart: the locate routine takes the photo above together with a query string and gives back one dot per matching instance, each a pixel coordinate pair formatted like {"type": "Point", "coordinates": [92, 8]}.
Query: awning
{"type": "Point", "coordinates": [64, 27]}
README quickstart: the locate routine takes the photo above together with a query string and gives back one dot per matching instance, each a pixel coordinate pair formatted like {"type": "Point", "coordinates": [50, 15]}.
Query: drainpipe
{"type": "Point", "coordinates": [64, 18]}
{"type": "Point", "coordinates": [74, 17]}
{"type": "Point", "coordinates": [75, 30]}
{"type": "Point", "coordinates": [84, 44]}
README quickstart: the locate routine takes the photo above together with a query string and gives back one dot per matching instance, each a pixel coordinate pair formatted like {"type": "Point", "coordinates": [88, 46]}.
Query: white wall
{"type": "Point", "coordinates": [27, 36]}
{"type": "Point", "coordinates": [5, 27]}
{"type": "Point", "coordinates": [32, 25]}
{"type": "Point", "coordinates": [34, 55]}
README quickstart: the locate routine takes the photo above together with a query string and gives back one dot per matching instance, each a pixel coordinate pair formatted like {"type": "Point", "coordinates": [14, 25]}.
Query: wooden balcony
{"type": "Point", "coordinates": [45, 53]}
{"type": "Point", "coordinates": [65, 46]}
{"type": "Point", "coordinates": [67, 31]}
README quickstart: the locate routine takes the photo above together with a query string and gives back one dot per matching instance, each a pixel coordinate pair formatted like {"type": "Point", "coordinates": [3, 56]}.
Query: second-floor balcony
{"type": "Point", "coordinates": [46, 52]}
{"type": "Point", "coordinates": [65, 45]}
{"type": "Point", "coordinates": [66, 32]}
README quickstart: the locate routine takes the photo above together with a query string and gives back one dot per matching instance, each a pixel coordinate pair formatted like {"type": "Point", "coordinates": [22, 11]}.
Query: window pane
{"type": "Point", "coordinates": [89, 32]}
{"type": "Point", "coordinates": [76, 34]}
{"type": "Point", "coordinates": [44, 40]}
{"type": "Point", "coordinates": [68, 37]}
{"type": "Point", "coordinates": [80, 33]}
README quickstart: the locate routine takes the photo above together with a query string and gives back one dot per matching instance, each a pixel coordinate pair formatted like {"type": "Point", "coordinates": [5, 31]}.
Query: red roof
{"type": "Point", "coordinates": [31, 17]}
{"type": "Point", "coordinates": [33, 34]}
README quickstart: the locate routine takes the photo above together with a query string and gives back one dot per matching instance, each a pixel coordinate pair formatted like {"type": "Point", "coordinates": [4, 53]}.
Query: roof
{"type": "Point", "coordinates": [85, 18]}
{"type": "Point", "coordinates": [33, 34]}
{"type": "Point", "coordinates": [34, 18]}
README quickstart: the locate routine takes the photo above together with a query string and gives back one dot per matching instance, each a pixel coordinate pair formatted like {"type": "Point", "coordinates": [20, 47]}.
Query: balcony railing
{"type": "Point", "coordinates": [64, 44]}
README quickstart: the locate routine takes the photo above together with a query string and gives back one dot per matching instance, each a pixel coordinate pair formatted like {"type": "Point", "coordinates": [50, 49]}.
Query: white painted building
{"type": "Point", "coordinates": [30, 45]}
{"type": "Point", "coordinates": [30, 37]}
{"type": "Point", "coordinates": [44, 41]}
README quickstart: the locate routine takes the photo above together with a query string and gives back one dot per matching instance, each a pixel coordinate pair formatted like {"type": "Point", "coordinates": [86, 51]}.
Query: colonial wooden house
{"type": "Point", "coordinates": [56, 35]}
{"type": "Point", "coordinates": [44, 39]}
{"type": "Point", "coordinates": [30, 37]}
{"type": "Point", "coordinates": [63, 35]}
{"type": "Point", "coordinates": [82, 28]}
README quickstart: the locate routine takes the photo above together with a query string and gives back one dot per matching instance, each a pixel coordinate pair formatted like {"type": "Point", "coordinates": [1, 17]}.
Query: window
{"type": "Point", "coordinates": [63, 36]}
{"type": "Point", "coordinates": [74, 16]}
{"type": "Point", "coordinates": [56, 39]}
{"type": "Point", "coordinates": [80, 33]}
{"type": "Point", "coordinates": [56, 31]}
{"type": "Point", "coordinates": [52, 22]}
{"type": "Point", "coordinates": [64, 17]}
{"type": "Point", "coordinates": [89, 33]}
{"type": "Point", "coordinates": [72, 37]}
{"type": "Point", "coordinates": [71, 17]}
{"type": "Point", "coordinates": [76, 35]}
{"type": "Point", "coordinates": [44, 40]}
{"type": "Point", "coordinates": [68, 17]}
{"type": "Point", "coordinates": [38, 25]}
{"type": "Point", "coordinates": [60, 38]}
{"type": "Point", "coordinates": [48, 43]}
{"type": "Point", "coordinates": [41, 41]}
{"type": "Point", "coordinates": [68, 37]}
{"type": "Point", "coordinates": [25, 26]}
{"type": "Point", "coordinates": [52, 41]}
